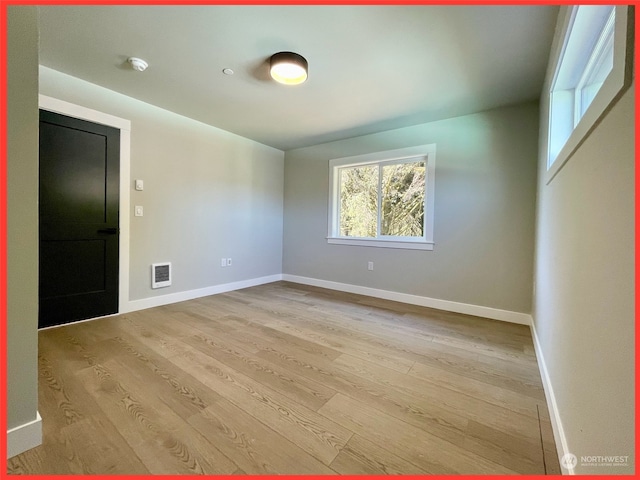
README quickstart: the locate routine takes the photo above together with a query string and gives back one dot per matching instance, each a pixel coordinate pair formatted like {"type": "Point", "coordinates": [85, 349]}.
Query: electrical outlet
{"type": "Point", "coordinates": [370, 266]}
{"type": "Point", "coordinates": [228, 262]}
{"type": "Point", "coordinates": [139, 211]}
{"type": "Point", "coordinates": [223, 262]}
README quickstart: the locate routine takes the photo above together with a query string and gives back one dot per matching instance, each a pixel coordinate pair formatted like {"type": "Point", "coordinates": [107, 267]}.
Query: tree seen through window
{"type": "Point", "coordinates": [398, 187]}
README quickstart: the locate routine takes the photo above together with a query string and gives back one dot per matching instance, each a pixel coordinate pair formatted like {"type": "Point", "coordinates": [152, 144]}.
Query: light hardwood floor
{"type": "Point", "coordinates": [285, 378]}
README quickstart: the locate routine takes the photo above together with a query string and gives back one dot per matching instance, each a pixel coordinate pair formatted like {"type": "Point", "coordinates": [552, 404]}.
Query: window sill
{"type": "Point", "coordinates": [365, 242]}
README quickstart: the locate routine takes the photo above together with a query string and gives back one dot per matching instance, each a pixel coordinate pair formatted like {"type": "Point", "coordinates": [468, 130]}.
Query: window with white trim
{"type": "Point", "coordinates": [592, 69]}
{"type": "Point", "coordinates": [383, 199]}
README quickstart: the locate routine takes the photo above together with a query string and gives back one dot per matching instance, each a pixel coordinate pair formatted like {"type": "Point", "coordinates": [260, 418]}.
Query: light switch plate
{"type": "Point", "coordinates": [139, 211]}
{"type": "Point", "coordinates": [139, 185]}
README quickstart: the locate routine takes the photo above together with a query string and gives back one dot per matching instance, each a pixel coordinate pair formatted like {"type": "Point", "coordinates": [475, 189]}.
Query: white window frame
{"type": "Point", "coordinates": [603, 45]}
{"type": "Point", "coordinates": [564, 114]}
{"type": "Point", "coordinates": [421, 153]}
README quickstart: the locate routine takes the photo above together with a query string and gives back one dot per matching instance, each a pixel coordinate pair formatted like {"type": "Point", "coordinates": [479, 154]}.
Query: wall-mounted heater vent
{"type": "Point", "coordinates": [160, 275]}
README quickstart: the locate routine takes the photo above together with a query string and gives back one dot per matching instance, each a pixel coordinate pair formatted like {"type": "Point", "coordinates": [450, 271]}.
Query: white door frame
{"type": "Point", "coordinates": [65, 108]}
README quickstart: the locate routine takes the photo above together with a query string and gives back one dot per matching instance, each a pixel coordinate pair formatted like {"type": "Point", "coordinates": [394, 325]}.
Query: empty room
{"type": "Point", "coordinates": [361, 240]}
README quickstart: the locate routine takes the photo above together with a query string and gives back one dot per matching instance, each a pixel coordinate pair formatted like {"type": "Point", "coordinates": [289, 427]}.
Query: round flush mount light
{"type": "Point", "coordinates": [288, 68]}
{"type": "Point", "coordinates": [227, 71]}
{"type": "Point", "coordinates": [138, 64]}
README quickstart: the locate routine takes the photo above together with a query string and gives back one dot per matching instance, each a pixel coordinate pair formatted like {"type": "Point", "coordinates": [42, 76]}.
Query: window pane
{"type": "Point", "coordinates": [597, 74]}
{"type": "Point", "coordinates": [359, 201]}
{"type": "Point", "coordinates": [403, 199]}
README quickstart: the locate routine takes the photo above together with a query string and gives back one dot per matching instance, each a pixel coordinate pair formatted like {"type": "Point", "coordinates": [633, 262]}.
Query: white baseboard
{"type": "Point", "coordinates": [151, 302]}
{"type": "Point", "coordinates": [477, 310]}
{"type": "Point", "coordinates": [556, 423]}
{"type": "Point", "coordinates": [24, 437]}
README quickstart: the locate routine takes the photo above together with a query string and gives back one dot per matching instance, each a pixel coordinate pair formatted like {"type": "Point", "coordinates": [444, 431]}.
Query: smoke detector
{"type": "Point", "coordinates": [138, 64]}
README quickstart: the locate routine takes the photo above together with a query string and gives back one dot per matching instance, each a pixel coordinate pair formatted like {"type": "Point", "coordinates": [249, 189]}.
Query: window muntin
{"type": "Point", "coordinates": [383, 199]}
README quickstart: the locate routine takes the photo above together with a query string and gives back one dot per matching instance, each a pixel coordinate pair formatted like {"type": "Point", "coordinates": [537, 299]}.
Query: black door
{"type": "Point", "coordinates": [79, 198]}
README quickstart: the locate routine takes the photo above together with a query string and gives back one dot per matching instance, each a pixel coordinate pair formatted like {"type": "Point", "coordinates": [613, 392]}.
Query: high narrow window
{"type": "Point", "coordinates": [591, 70]}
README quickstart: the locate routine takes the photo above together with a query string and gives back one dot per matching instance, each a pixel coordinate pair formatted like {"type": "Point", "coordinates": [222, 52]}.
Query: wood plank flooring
{"type": "Point", "coordinates": [290, 379]}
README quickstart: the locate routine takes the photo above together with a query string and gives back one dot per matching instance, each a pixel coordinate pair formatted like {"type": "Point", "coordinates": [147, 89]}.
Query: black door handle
{"type": "Point", "coordinates": [108, 231]}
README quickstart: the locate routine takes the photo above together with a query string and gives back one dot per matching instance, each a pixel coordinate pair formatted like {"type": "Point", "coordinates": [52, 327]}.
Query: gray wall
{"type": "Point", "coordinates": [584, 302]}
{"type": "Point", "coordinates": [208, 193]}
{"type": "Point", "coordinates": [22, 215]}
{"type": "Point", "coordinates": [484, 212]}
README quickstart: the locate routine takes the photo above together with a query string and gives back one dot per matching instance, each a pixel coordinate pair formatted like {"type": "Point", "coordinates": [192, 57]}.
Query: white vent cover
{"type": "Point", "coordinates": [160, 275]}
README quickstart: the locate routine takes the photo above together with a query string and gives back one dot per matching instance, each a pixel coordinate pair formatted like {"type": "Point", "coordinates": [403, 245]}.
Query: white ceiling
{"type": "Point", "coordinates": [371, 68]}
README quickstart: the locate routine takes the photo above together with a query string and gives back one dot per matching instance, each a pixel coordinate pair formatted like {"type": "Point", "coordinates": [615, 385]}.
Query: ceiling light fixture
{"type": "Point", "coordinates": [138, 64]}
{"type": "Point", "coordinates": [288, 68]}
